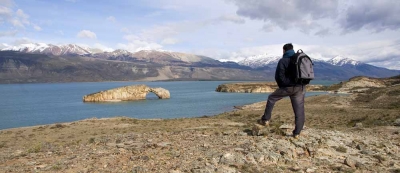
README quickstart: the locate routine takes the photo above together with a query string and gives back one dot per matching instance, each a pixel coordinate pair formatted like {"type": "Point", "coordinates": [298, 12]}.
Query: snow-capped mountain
{"type": "Point", "coordinates": [341, 61]}
{"type": "Point", "coordinates": [262, 60]}
{"type": "Point", "coordinates": [42, 48]}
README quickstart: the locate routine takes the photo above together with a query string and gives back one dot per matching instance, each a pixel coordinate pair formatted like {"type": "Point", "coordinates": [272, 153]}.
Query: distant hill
{"type": "Point", "coordinates": [19, 67]}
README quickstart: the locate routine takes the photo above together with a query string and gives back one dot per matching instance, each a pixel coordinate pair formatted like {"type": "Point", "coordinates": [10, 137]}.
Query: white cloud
{"type": "Point", "coordinates": [6, 3]}
{"type": "Point", "coordinates": [125, 30]}
{"type": "Point", "coordinates": [395, 64]}
{"type": "Point", "coordinates": [103, 47]}
{"type": "Point", "coordinates": [22, 40]}
{"type": "Point", "coordinates": [111, 19]}
{"type": "Point", "coordinates": [5, 12]}
{"type": "Point", "coordinates": [21, 14]}
{"type": "Point", "coordinates": [36, 27]}
{"type": "Point", "coordinates": [60, 32]}
{"type": "Point", "coordinates": [86, 34]}
{"type": "Point", "coordinates": [21, 19]}
{"type": "Point", "coordinates": [139, 45]}
{"type": "Point", "coordinates": [231, 18]}
{"type": "Point", "coordinates": [3, 45]}
{"type": "Point", "coordinates": [136, 43]}
{"type": "Point", "coordinates": [170, 41]}
{"type": "Point", "coordinates": [8, 33]}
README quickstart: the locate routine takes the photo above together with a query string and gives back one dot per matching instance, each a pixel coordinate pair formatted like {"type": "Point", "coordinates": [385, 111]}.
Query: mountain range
{"type": "Point", "coordinates": [39, 62]}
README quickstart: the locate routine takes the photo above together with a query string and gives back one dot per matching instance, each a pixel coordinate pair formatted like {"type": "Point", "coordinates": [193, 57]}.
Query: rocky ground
{"type": "Point", "coordinates": [343, 134]}
{"type": "Point", "coordinates": [258, 87]}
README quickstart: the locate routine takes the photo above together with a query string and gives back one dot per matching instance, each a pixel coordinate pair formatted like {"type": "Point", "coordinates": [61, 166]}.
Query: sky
{"type": "Point", "coordinates": [364, 30]}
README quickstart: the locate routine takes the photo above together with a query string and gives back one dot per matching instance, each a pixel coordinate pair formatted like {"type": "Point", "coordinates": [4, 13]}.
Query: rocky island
{"type": "Point", "coordinates": [126, 93]}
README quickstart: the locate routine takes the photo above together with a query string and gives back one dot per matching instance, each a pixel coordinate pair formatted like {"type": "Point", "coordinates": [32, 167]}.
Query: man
{"type": "Point", "coordinates": [287, 87]}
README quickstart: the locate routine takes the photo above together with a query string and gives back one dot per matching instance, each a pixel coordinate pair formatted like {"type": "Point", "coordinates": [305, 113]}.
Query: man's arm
{"type": "Point", "coordinates": [281, 73]}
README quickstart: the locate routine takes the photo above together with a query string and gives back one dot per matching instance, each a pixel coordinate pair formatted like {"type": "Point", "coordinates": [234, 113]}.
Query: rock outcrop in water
{"type": "Point", "coordinates": [126, 93]}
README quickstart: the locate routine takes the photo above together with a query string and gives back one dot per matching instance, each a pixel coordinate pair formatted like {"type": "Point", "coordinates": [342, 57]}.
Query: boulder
{"type": "Point", "coordinates": [126, 93]}
{"type": "Point", "coordinates": [161, 93]}
{"type": "Point", "coordinates": [397, 122]}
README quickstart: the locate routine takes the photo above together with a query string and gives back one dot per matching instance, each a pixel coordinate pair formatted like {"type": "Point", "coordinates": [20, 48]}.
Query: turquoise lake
{"type": "Point", "coordinates": [39, 104]}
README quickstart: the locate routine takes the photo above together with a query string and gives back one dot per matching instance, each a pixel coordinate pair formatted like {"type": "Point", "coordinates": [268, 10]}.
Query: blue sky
{"type": "Point", "coordinates": [222, 29]}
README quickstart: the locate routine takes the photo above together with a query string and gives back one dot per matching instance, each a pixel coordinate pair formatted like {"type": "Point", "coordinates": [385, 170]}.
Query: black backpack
{"type": "Point", "coordinates": [301, 68]}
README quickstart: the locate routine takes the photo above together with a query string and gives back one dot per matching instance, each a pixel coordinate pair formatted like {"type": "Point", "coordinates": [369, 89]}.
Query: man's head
{"type": "Point", "coordinates": [287, 47]}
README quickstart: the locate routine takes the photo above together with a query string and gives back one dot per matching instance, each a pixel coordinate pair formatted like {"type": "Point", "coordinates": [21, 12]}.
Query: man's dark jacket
{"type": "Point", "coordinates": [283, 73]}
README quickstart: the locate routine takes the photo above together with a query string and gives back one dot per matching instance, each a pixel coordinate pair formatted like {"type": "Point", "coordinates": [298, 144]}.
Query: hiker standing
{"type": "Point", "coordinates": [289, 85]}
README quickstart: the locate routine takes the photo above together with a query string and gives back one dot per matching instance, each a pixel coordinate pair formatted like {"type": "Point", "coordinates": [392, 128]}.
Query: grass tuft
{"type": "Point", "coordinates": [91, 140]}
{"type": "Point", "coordinates": [341, 149]}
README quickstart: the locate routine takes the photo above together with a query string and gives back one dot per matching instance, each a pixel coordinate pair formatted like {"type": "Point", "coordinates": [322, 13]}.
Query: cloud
{"type": "Point", "coordinates": [3, 45]}
{"type": "Point", "coordinates": [323, 32]}
{"type": "Point", "coordinates": [373, 15]}
{"type": "Point", "coordinates": [60, 32]}
{"type": "Point", "coordinates": [5, 12]}
{"type": "Point", "coordinates": [313, 15]}
{"type": "Point", "coordinates": [394, 64]}
{"type": "Point", "coordinates": [103, 47]}
{"type": "Point", "coordinates": [86, 34]}
{"type": "Point", "coordinates": [21, 14]}
{"type": "Point", "coordinates": [288, 14]}
{"type": "Point", "coordinates": [170, 41]}
{"type": "Point", "coordinates": [18, 19]}
{"type": "Point", "coordinates": [36, 27]}
{"type": "Point", "coordinates": [111, 19]}
{"type": "Point", "coordinates": [268, 27]}
{"type": "Point", "coordinates": [136, 43]}
{"type": "Point", "coordinates": [139, 45]}
{"type": "Point", "coordinates": [6, 3]}
{"type": "Point", "coordinates": [231, 18]}
{"type": "Point", "coordinates": [20, 41]}
{"type": "Point", "coordinates": [8, 33]}
{"type": "Point", "coordinates": [125, 30]}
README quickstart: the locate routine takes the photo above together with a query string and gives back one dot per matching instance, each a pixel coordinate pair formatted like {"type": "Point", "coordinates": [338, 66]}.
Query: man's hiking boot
{"type": "Point", "coordinates": [296, 136]}
{"type": "Point", "coordinates": [263, 123]}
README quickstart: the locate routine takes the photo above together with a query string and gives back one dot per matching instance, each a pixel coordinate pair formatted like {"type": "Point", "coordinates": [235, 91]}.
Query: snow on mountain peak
{"type": "Point", "coordinates": [257, 61]}
{"type": "Point", "coordinates": [340, 61]}
{"type": "Point", "coordinates": [44, 48]}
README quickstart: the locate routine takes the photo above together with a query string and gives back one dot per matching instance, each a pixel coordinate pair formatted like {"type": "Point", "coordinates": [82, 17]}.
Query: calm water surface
{"type": "Point", "coordinates": [38, 104]}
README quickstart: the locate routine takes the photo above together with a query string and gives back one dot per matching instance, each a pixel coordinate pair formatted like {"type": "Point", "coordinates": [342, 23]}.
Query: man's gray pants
{"type": "Point", "coordinates": [296, 95]}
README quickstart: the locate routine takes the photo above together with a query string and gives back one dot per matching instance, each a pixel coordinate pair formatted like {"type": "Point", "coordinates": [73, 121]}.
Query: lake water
{"type": "Point", "coordinates": [38, 104]}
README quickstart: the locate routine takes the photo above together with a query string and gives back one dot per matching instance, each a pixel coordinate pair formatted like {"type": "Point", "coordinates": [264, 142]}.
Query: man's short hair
{"type": "Point", "coordinates": [287, 47]}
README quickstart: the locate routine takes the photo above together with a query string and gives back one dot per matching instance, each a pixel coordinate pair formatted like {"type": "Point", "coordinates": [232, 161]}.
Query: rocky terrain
{"type": "Point", "coordinates": [344, 133]}
{"type": "Point", "coordinates": [362, 84]}
{"type": "Point", "coordinates": [126, 93]}
{"type": "Point", "coordinates": [258, 87]}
